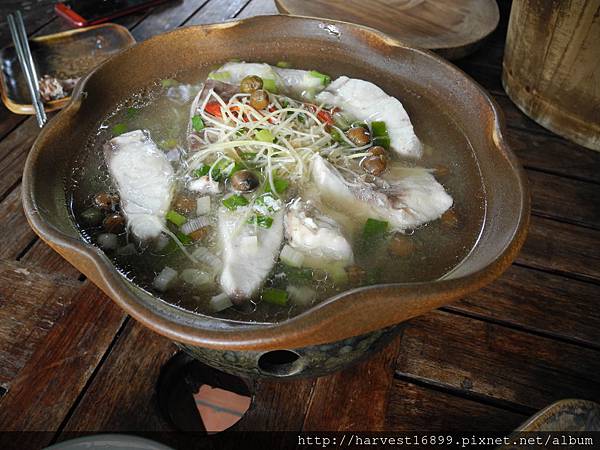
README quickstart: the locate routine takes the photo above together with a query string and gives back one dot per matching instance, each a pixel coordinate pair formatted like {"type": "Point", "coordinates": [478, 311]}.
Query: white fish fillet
{"type": "Point", "coordinates": [144, 179]}
{"type": "Point", "coordinates": [315, 234]}
{"type": "Point", "coordinates": [406, 202]}
{"type": "Point", "coordinates": [245, 268]}
{"type": "Point", "coordinates": [363, 100]}
{"type": "Point", "coordinates": [294, 82]}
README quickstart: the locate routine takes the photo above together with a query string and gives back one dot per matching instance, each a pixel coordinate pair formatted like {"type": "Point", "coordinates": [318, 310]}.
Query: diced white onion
{"type": "Point", "coordinates": [301, 295]}
{"type": "Point", "coordinates": [195, 277]}
{"type": "Point", "coordinates": [161, 242]}
{"type": "Point", "coordinates": [194, 224]}
{"type": "Point", "coordinates": [203, 255]}
{"type": "Point", "coordinates": [219, 302]}
{"type": "Point", "coordinates": [127, 250]}
{"type": "Point", "coordinates": [108, 241]}
{"type": "Point", "coordinates": [164, 279]}
{"type": "Point", "coordinates": [203, 205]}
{"type": "Point", "coordinates": [291, 257]}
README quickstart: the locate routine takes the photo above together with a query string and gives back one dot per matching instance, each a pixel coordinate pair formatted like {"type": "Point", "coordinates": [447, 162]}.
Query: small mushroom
{"type": "Point", "coordinates": [259, 99]}
{"type": "Point", "coordinates": [184, 204]}
{"type": "Point", "coordinates": [450, 219]}
{"type": "Point", "coordinates": [374, 165]}
{"type": "Point", "coordinates": [377, 150]}
{"type": "Point", "coordinates": [359, 136]}
{"type": "Point", "coordinates": [251, 84]}
{"type": "Point", "coordinates": [244, 181]}
{"type": "Point", "coordinates": [106, 201]}
{"type": "Point", "coordinates": [401, 245]}
{"type": "Point", "coordinates": [356, 274]}
{"type": "Point", "coordinates": [199, 234]}
{"type": "Point", "coordinates": [441, 170]}
{"type": "Point", "coordinates": [114, 223]}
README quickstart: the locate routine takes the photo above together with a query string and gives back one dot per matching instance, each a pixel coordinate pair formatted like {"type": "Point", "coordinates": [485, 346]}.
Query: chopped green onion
{"type": "Point", "coordinates": [236, 168]}
{"type": "Point", "coordinates": [261, 221]}
{"type": "Point", "coordinates": [275, 296]}
{"type": "Point", "coordinates": [383, 141]}
{"type": "Point", "coordinates": [379, 129]}
{"type": "Point", "coordinates": [197, 123]}
{"type": "Point", "coordinates": [284, 64]}
{"type": "Point", "coordinates": [184, 238]}
{"type": "Point", "coordinates": [380, 134]}
{"type": "Point", "coordinates": [175, 218]}
{"type": "Point", "coordinates": [118, 129]}
{"type": "Point", "coordinates": [131, 112]}
{"type": "Point", "coordinates": [297, 274]}
{"type": "Point", "coordinates": [374, 228]}
{"type": "Point", "coordinates": [268, 202]}
{"type": "Point", "coordinates": [325, 79]}
{"type": "Point", "coordinates": [280, 185]}
{"type": "Point", "coordinates": [168, 82]}
{"type": "Point", "coordinates": [220, 76]}
{"type": "Point", "coordinates": [269, 85]}
{"type": "Point", "coordinates": [234, 201]}
{"type": "Point", "coordinates": [264, 136]}
{"type": "Point", "coordinates": [202, 171]}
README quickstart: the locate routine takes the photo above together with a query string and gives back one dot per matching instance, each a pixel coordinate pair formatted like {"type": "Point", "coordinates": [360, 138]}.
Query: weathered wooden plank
{"type": "Point", "coordinates": [44, 259]}
{"type": "Point", "coordinates": [562, 248]}
{"type": "Point", "coordinates": [534, 300]}
{"type": "Point", "coordinates": [8, 121]}
{"type": "Point", "coordinates": [36, 13]}
{"type": "Point", "coordinates": [14, 229]}
{"type": "Point", "coordinates": [46, 388]}
{"type": "Point", "coordinates": [493, 362]}
{"type": "Point", "coordinates": [567, 200]}
{"type": "Point", "coordinates": [13, 152]}
{"type": "Point", "coordinates": [167, 17]}
{"type": "Point", "coordinates": [259, 8]}
{"type": "Point", "coordinates": [356, 398]}
{"type": "Point", "coordinates": [217, 11]}
{"type": "Point", "coordinates": [554, 154]}
{"type": "Point", "coordinates": [417, 408]}
{"type": "Point", "coordinates": [122, 395]}
{"type": "Point", "coordinates": [30, 304]}
{"type": "Point", "coordinates": [277, 406]}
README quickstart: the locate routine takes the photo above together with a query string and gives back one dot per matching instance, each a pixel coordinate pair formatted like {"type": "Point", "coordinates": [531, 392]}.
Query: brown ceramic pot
{"type": "Point", "coordinates": [354, 322]}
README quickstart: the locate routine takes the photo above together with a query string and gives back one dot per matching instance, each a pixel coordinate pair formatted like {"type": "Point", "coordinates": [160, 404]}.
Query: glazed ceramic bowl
{"type": "Point", "coordinates": [350, 325]}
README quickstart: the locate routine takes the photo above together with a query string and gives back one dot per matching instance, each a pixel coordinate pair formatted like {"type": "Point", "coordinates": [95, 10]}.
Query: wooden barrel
{"type": "Point", "coordinates": [551, 67]}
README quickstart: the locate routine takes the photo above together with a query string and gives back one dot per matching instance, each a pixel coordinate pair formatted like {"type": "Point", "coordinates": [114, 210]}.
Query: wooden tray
{"type": "Point", "coordinates": [69, 54]}
{"type": "Point", "coordinates": [452, 28]}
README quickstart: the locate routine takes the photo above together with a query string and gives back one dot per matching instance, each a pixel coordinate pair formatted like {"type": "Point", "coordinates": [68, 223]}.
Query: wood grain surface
{"type": "Point", "coordinates": [73, 363]}
{"type": "Point", "coordinates": [552, 66]}
{"type": "Point", "coordinates": [454, 28]}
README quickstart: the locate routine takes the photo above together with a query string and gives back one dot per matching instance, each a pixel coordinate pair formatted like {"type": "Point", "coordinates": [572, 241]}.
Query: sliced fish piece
{"type": "Point", "coordinates": [363, 100]}
{"type": "Point", "coordinates": [405, 202]}
{"type": "Point", "coordinates": [295, 82]}
{"type": "Point", "coordinates": [315, 234]}
{"type": "Point", "coordinates": [145, 180]}
{"type": "Point", "coordinates": [247, 262]}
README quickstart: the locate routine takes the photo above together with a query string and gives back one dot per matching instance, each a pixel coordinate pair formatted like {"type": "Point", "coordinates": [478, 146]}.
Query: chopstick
{"type": "Point", "coordinates": [19, 37]}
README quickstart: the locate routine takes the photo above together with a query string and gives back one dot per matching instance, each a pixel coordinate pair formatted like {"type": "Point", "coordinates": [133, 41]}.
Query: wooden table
{"type": "Point", "coordinates": [71, 360]}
